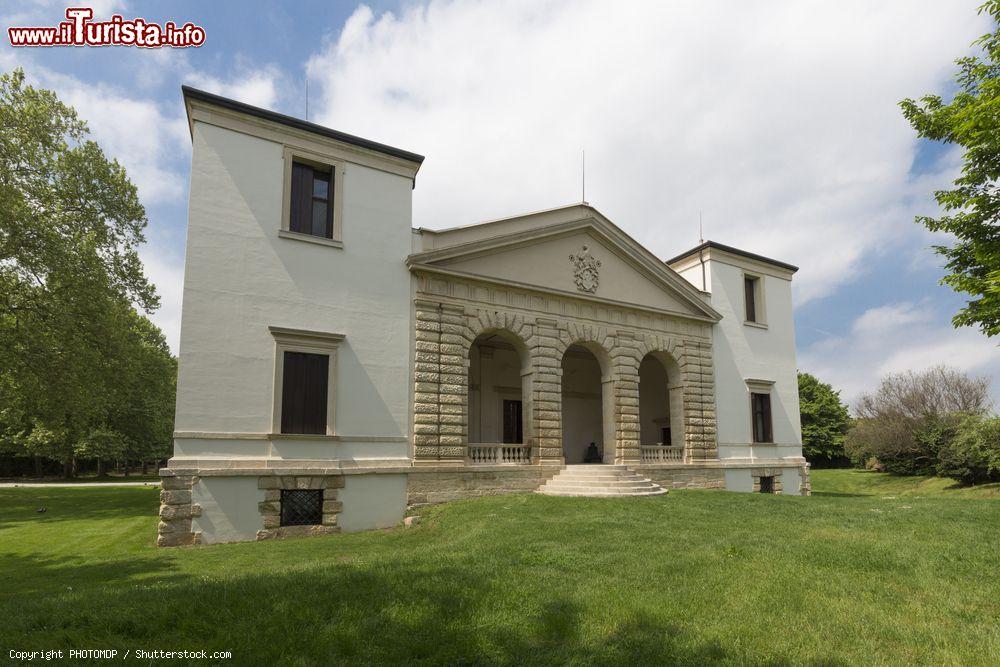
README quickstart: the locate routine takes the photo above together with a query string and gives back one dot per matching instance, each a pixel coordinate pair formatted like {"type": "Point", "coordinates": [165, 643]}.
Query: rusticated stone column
{"type": "Point", "coordinates": [625, 359]}
{"type": "Point", "coordinates": [698, 378]}
{"type": "Point", "coordinates": [546, 385]}
{"type": "Point", "coordinates": [440, 384]}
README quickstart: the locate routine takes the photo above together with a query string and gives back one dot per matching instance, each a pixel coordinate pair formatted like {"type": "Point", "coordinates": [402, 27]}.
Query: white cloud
{"type": "Point", "coordinates": [780, 122]}
{"type": "Point", "coordinates": [259, 87]}
{"type": "Point", "coordinates": [894, 338]}
{"type": "Point", "coordinates": [885, 319]}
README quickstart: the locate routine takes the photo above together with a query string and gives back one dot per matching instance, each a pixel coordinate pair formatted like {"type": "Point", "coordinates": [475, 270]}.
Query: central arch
{"type": "Point", "coordinates": [587, 415]}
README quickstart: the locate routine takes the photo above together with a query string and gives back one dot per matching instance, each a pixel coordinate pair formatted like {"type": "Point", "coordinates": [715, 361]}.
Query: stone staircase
{"type": "Point", "coordinates": [600, 481]}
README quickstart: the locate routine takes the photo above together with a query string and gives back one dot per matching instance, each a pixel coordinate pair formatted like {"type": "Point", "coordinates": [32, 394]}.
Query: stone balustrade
{"type": "Point", "coordinates": [661, 454]}
{"type": "Point", "coordinates": [491, 453]}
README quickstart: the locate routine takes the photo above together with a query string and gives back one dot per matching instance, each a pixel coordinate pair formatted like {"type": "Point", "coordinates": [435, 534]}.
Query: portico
{"type": "Point", "coordinates": [504, 350]}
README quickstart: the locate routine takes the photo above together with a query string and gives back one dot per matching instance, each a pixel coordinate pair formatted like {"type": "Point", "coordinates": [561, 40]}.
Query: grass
{"type": "Point", "coordinates": [867, 483]}
{"type": "Point", "coordinates": [81, 479]}
{"type": "Point", "coordinates": [693, 577]}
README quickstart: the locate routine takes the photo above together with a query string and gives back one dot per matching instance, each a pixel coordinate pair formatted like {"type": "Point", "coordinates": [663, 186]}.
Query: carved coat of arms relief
{"type": "Point", "coordinates": [586, 268]}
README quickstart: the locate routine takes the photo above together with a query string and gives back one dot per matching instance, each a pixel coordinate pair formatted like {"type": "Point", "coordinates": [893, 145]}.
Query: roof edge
{"type": "Point", "coordinates": [735, 251]}
{"type": "Point", "coordinates": [297, 123]}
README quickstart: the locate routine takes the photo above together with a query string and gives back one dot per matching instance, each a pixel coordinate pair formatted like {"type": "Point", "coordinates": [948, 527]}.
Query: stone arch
{"type": "Point", "coordinates": [484, 420]}
{"type": "Point", "coordinates": [691, 362]}
{"type": "Point", "coordinates": [661, 407]}
{"type": "Point", "coordinates": [600, 343]}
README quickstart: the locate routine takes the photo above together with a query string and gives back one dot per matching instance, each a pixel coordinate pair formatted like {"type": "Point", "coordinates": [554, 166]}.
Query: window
{"type": "Point", "coordinates": [767, 484]}
{"type": "Point", "coordinates": [301, 507]}
{"type": "Point", "coordinates": [512, 430]}
{"type": "Point", "coordinates": [305, 372]}
{"type": "Point", "coordinates": [750, 287]}
{"type": "Point", "coordinates": [312, 205]}
{"type": "Point", "coordinates": [303, 393]}
{"type": "Point", "coordinates": [312, 197]}
{"type": "Point", "coordinates": [760, 408]}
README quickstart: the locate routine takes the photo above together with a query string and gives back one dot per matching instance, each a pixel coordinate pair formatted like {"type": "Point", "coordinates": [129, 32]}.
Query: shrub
{"type": "Point", "coordinates": [973, 455]}
{"type": "Point", "coordinates": [906, 422]}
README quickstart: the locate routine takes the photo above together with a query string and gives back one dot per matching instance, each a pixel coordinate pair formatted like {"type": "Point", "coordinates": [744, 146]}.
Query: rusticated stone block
{"type": "Point", "coordinates": [332, 506]}
{"type": "Point", "coordinates": [174, 526]}
{"type": "Point", "coordinates": [175, 497]}
{"type": "Point", "coordinates": [176, 483]}
{"type": "Point", "coordinates": [175, 539]}
{"type": "Point", "coordinates": [333, 482]}
{"type": "Point", "coordinates": [172, 512]}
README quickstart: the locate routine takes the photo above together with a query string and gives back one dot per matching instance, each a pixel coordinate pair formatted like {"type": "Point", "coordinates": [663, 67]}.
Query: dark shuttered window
{"type": "Point", "coordinates": [750, 297]}
{"type": "Point", "coordinates": [312, 201]}
{"type": "Point", "coordinates": [304, 392]}
{"type": "Point", "coordinates": [760, 407]}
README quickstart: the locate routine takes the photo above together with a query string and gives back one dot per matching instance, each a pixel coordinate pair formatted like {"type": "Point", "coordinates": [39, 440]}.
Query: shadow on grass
{"type": "Point", "coordinates": [39, 573]}
{"type": "Point", "coordinates": [349, 612]}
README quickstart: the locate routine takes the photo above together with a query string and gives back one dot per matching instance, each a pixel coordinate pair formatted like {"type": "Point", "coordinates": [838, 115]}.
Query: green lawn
{"type": "Point", "coordinates": [692, 577]}
{"type": "Point", "coordinates": [866, 483]}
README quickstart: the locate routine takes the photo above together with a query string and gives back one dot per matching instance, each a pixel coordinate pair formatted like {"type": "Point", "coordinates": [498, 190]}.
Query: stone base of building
{"type": "Point", "coordinates": [427, 485]}
{"type": "Point", "coordinates": [211, 505]}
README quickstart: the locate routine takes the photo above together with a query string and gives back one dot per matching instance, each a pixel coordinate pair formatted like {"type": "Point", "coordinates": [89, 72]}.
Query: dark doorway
{"type": "Point", "coordinates": [512, 431]}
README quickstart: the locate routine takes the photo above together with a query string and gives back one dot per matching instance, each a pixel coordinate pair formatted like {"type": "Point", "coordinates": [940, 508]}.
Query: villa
{"type": "Point", "coordinates": [337, 365]}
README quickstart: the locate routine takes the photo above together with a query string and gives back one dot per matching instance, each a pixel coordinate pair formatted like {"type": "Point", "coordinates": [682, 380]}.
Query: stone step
{"type": "Point", "coordinates": [598, 478]}
{"type": "Point", "coordinates": [658, 491]}
{"type": "Point", "coordinates": [630, 484]}
{"type": "Point", "coordinates": [600, 481]}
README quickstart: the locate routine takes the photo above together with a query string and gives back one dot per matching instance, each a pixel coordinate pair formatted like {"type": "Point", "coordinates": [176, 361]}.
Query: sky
{"type": "Point", "coordinates": [777, 124]}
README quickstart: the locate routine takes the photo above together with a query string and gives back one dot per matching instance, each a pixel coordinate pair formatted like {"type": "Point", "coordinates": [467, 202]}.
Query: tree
{"type": "Point", "coordinates": [824, 420]}
{"type": "Point", "coordinates": [973, 455]}
{"type": "Point", "coordinates": [905, 423]}
{"type": "Point", "coordinates": [972, 207]}
{"type": "Point", "coordinates": [70, 274]}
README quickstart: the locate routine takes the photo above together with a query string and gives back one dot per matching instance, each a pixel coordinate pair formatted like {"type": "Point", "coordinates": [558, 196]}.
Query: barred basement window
{"type": "Point", "coordinates": [767, 484]}
{"type": "Point", "coordinates": [301, 507]}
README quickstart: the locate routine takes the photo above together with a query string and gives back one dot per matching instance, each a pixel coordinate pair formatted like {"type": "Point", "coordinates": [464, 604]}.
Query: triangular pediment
{"type": "Point", "coordinates": [587, 257]}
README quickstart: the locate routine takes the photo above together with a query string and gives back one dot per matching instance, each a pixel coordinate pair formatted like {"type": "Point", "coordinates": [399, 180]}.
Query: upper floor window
{"type": "Point", "coordinates": [753, 300]}
{"type": "Point", "coordinates": [312, 201]}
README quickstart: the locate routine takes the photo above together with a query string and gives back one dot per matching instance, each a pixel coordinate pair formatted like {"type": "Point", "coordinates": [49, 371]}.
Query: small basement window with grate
{"type": "Point", "coordinates": [767, 484]}
{"type": "Point", "coordinates": [301, 507]}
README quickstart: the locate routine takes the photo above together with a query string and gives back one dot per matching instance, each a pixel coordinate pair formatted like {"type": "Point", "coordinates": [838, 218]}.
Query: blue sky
{"type": "Point", "coordinates": [778, 123]}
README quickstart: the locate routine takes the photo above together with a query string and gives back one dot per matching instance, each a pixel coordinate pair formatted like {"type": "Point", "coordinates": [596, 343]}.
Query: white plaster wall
{"type": "Point", "coordinates": [702, 280]}
{"type": "Point", "coordinates": [229, 510]}
{"type": "Point", "coordinates": [240, 277]}
{"type": "Point", "coordinates": [742, 352]}
{"type": "Point", "coordinates": [371, 501]}
{"type": "Point", "coordinates": [790, 481]}
{"type": "Point", "coordinates": [739, 480]}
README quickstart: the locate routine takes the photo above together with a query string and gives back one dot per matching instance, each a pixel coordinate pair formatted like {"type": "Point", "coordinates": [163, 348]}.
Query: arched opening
{"type": "Point", "coordinates": [661, 414]}
{"type": "Point", "coordinates": [587, 425]}
{"type": "Point", "coordinates": [499, 414]}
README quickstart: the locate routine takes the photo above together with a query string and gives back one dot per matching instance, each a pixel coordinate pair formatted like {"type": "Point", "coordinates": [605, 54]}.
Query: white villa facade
{"type": "Point", "coordinates": [337, 365]}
